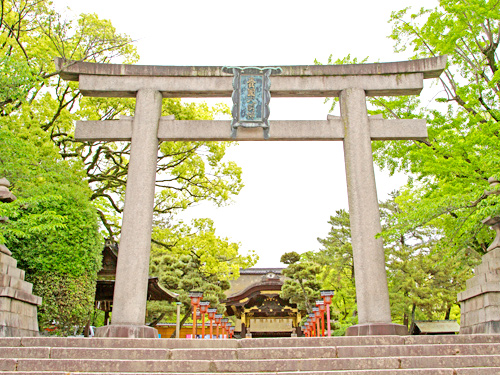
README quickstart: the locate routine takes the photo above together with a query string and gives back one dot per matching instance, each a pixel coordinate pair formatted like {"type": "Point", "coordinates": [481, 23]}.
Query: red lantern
{"type": "Point", "coordinates": [218, 318]}
{"type": "Point", "coordinates": [327, 298]}
{"type": "Point", "coordinates": [211, 317]}
{"type": "Point", "coordinates": [320, 304]}
{"type": "Point", "coordinates": [195, 301]}
{"type": "Point", "coordinates": [224, 322]}
{"type": "Point", "coordinates": [312, 324]}
{"type": "Point", "coordinates": [204, 305]}
{"type": "Point", "coordinates": [317, 316]}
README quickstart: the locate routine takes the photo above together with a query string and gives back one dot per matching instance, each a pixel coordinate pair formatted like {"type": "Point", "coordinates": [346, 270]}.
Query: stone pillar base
{"type": "Point", "coordinates": [137, 332]}
{"type": "Point", "coordinates": [490, 328]}
{"type": "Point", "coordinates": [376, 329]}
{"type": "Point", "coordinates": [17, 332]}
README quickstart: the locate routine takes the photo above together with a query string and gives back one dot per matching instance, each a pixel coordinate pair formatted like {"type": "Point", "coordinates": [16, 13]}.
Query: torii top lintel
{"type": "Point", "coordinates": [378, 79]}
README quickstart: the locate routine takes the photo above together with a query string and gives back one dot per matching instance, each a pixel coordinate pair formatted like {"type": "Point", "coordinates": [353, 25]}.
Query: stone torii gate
{"type": "Point", "coordinates": [149, 84]}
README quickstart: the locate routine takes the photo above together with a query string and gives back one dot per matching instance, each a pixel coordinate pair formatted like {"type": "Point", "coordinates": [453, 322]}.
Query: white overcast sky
{"type": "Point", "coordinates": [291, 188]}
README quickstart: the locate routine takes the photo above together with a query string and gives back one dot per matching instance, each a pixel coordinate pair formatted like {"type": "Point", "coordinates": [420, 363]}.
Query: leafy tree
{"type": "Point", "coordinates": [53, 228]}
{"type": "Point", "coordinates": [38, 110]}
{"type": "Point", "coordinates": [290, 258]}
{"type": "Point", "coordinates": [433, 230]}
{"type": "Point", "coordinates": [337, 268]}
{"type": "Point", "coordinates": [52, 231]}
{"type": "Point", "coordinates": [451, 168]}
{"type": "Point", "coordinates": [199, 260]}
{"type": "Point", "coordinates": [422, 283]}
{"type": "Point", "coordinates": [301, 286]}
{"type": "Point", "coordinates": [31, 35]}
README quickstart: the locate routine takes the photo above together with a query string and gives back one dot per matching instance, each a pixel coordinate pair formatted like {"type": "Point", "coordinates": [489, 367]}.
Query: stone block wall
{"type": "Point", "coordinates": [18, 306]}
{"type": "Point", "coordinates": [480, 302]}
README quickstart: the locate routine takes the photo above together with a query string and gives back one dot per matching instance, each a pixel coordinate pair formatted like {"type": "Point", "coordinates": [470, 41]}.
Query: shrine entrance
{"type": "Point", "coordinates": [351, 83]}
{"type": "Point", "coordinates": [254, 299]}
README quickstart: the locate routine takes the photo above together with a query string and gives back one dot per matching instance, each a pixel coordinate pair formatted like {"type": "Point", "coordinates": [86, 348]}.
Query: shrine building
{"type": "Point", "coordinates": [255, 302]}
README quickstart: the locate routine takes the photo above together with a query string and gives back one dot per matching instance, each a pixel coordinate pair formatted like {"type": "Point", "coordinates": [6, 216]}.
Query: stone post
{"type": "Point", "coordinates": [480, 302]}
{"type": "Point", "coordinates": [178, 320]}
{"type": "Point", "coordinates": [372, 293]}
{"type": "Point", "coordinates": [132, 270]}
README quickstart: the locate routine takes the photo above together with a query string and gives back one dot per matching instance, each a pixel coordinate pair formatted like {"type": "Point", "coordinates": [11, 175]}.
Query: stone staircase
{"type": "Point", "coordinates": [370, 355]}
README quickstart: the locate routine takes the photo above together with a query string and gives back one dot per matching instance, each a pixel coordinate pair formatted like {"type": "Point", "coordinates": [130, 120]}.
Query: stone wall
{"type": "Point", "coordinates": [480, 303]}
{"type": "Point", "coordinates": [18, 306]}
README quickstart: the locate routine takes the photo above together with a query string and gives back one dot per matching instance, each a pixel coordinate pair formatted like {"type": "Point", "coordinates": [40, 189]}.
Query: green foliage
{"type": "Point", "coordinates": [215, 255]}
{"type": "Point", "coordinates": [337, 269]}
{"type": "Point", "coordinates": [432, 230]}
{"type": "Point", "coordinates": [52, 230]}
{"type": "Point", "coordinates": [16, 80]}
{"type": "Point", "coordinates": [422, 283]}
{"type": "Point", "coordinates": [197, 260]}
{"type": "Point", "coordinates": [290, 258]}
{"type": "Point", "coordinates": [52, 223]}
{"type": "Point", "coordinates": [301, 286]}
{"type": "Point", "coordinates": [451, 168]}
{"type": "Point", "coordinates": [68, 301]}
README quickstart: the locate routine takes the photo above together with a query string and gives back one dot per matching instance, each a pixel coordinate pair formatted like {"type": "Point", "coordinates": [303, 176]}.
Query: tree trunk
{"type": "Point", "coordinates": [413, 308]}
{"type": "Point", "coordinates": [447, 315]}
{"type": "Point", "coordinates": [306, 300]}
{"type": "Point", "coordinates": [157, 320]}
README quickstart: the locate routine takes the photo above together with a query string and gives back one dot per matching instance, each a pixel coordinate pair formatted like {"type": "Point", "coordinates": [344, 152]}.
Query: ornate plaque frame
{"type": "Point", "coordinates": [251, 97]}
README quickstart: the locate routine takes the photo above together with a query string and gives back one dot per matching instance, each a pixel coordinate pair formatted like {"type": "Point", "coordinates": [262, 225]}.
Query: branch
{"type": "Point", "coordinates": [157, 320]}
{"type": "Point", "coordinates": [106, 224]}
{"type": "Point", "coordinates": [108, 197]}
{"type": "Point", "coordinates": [166, 246]}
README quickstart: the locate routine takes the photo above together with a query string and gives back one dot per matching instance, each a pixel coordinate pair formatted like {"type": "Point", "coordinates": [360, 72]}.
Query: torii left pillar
{"type": "Point", "coordinates": [130, 293]}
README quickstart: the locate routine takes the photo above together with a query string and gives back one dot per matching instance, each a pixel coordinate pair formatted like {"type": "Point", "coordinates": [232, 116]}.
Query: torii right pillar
{"type": "Point", "coordinates": [372, 294]}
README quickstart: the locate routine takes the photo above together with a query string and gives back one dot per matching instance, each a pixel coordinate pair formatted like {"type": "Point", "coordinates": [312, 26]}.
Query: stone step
{"type": "Point", "coordinates": [382, 355]}
{"type": "Point", "coordinates": [248, 366]}
{"type": "Point", "coordinates": [69, 342]}
{"type": "Point", "coordinates": [250, 353]}
{"type": "Point", "coordinates": [94, 342]}
{"type": "Point", "coordinates": [452, 339]}
{"type": "Point", "coordinates": [444, 371]}
{"type": "Point", "coordinates": [418, 350]}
